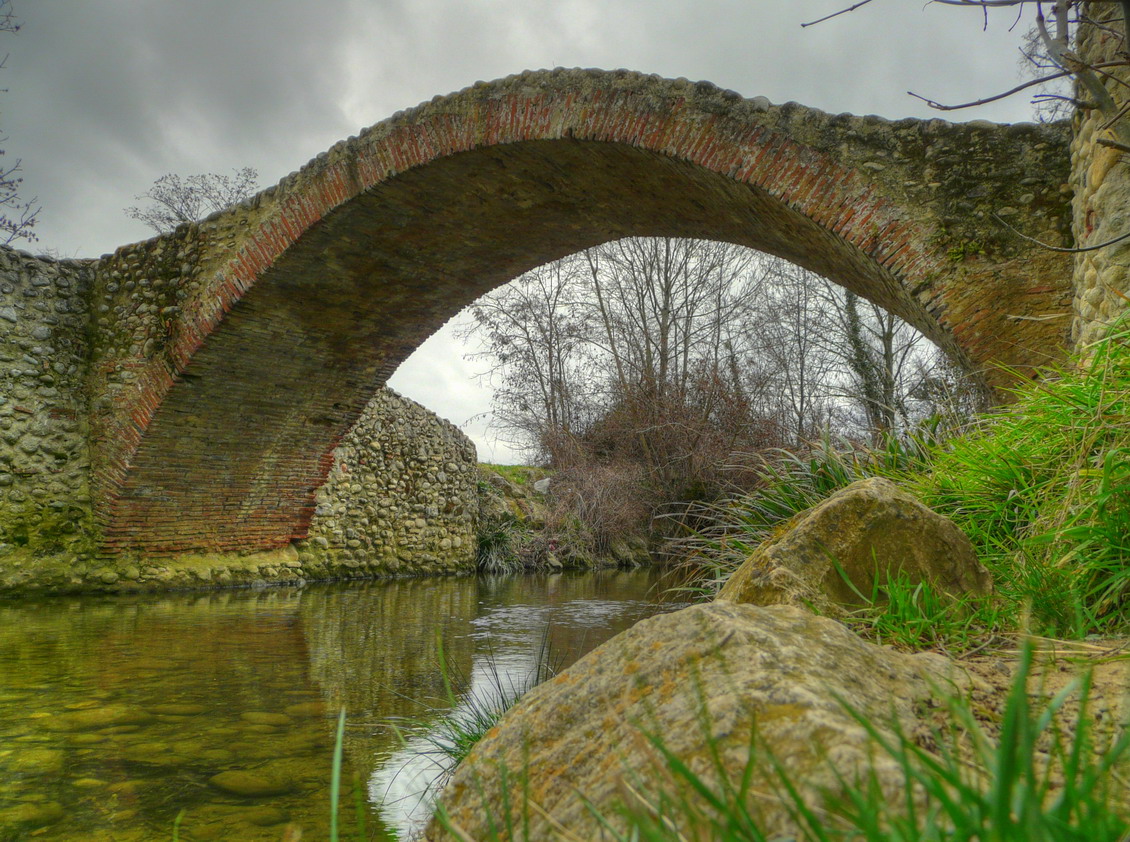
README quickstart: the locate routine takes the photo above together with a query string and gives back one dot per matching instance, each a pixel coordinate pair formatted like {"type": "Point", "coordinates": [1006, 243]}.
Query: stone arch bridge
{"type": "Point", "coordinates": [223, 362]}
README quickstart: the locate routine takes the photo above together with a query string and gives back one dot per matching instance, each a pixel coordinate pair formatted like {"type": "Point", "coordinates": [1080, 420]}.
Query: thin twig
{"type": "Point", "coordinates": [836, 14]}
{"type": "Point", "coordinates": [1058, 249]}
{"type": "Point", "coordinates": [1030, 83]}
{"type": "Point", "coordinates": [1113, 144]}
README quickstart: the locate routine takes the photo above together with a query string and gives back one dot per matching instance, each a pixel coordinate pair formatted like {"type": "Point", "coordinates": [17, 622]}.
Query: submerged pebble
{"type": "Point", "coordinates": [306, 709]}
{"type": "Point", "coordinates": [176, 709]}
{"type": "Point", "coordinates": [110, 716]}
{"type": "Point", "coordinates": [249, 784]}
{"type": "Point", "coordinates": [258, 717]}
{"type": "Point", "coordinates": [36, 761]}
{"type": "Point", "coordinates": [31, 815]}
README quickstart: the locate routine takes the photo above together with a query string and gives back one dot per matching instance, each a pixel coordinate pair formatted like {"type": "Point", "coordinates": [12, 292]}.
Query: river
{"type": "Point", "coordinates": [119, 714]}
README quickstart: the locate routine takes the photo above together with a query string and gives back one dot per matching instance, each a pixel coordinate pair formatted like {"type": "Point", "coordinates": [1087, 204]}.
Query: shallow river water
{"type": "Point", "coordinates": [118, 715]}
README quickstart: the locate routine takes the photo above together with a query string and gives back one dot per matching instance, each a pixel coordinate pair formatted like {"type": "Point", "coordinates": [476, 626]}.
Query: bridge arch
{"type": "Point", "coordinates": [298, 304]}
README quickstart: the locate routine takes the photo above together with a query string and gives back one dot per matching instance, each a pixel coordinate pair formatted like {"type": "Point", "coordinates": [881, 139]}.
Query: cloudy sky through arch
{"type": "Point", "coordinates": [105, 96]}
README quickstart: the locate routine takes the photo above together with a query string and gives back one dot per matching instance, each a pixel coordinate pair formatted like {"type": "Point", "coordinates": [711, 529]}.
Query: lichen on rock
{"type": "Point", "coordinates": [701, 680]}
{"type": "Point", "coordinates": [830, 556]}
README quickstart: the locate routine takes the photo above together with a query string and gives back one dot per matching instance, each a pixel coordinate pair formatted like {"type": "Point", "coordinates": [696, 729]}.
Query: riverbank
{"type": "Point", "coordinates": [503, 523]}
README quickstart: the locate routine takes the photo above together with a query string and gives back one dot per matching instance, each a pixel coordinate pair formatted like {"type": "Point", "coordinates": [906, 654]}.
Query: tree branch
{"type": "Point", "coordinates": [836, 14]}
{"type": "Point", "coordinates": [1060, 249]}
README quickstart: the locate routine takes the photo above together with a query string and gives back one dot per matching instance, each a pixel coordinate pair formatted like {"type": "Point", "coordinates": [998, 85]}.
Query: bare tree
{"type": "Point", "coordinates": [532, 338]}
{"type": "Point", "coordinates": [650, 364]}
{"type": "Point", "coordinates": [631, 350]}
{"type": "Point", "coordinates": [791, 337]}
{"type": "Point", "coordinates": [174, 199]}
{"type": "Point", "coordinates": [17, 215]}
{"type": "Point", "coordinates": [1050, 50]}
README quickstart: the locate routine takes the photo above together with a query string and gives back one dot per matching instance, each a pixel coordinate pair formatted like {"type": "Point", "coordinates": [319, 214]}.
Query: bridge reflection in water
{"type": "Point", "coordinates": [115, 715]}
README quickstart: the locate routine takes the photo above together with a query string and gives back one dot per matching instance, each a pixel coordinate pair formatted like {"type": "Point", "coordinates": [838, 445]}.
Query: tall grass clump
{"type": "Point", "coordinates": [447, 733]}
{"type": "Point", "coordinates": [1041, 487]}
{"type": "Point", "coordinates": [499, 545]}
{"type": "Point", "coordinates": [1043, 491]}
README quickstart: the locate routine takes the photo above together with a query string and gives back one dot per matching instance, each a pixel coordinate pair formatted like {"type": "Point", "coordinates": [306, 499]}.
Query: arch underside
{"type": "Point", "coordinates": [232, 457]}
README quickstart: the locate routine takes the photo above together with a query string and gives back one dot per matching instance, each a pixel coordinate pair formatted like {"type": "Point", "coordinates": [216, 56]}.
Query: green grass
{"type": "Point", "coordinates": [1042, 489]}
{"type": "Point", "coordinates": [915, 615]}
{"type": "Point", "coordinates": [520, 475]}
{"type": "Point", "coordinates": [499, 543]}
{"type": "Point", "coordinates": [1033, 775]}
{"type": "Point", "coordinates": [451, 731]}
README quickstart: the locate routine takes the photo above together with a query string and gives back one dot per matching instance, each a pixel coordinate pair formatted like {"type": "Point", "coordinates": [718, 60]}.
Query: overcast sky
{"type": "Point", "coordinates": [105, 96]}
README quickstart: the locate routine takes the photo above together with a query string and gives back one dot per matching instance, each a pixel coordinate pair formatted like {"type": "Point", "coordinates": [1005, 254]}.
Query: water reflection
{"type": "Point", "coordinates": [115, 715]}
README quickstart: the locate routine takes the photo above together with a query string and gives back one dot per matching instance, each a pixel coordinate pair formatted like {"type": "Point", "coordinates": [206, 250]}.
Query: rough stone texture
{"type": "Point", "coordinates": [1101, 182]}
{"type": "Point", "coordinates": [250, 342]}
{"type": "Point", "coordinates": [578, 736]}
{"type": "Point", "coordinates": [871, 529]}
{"type": "Point", "coordinates": [402, 495]}
{"type": "Point", "coordinates": [401, 500]}
{"type": "Point", "coordinates": [44, 458]}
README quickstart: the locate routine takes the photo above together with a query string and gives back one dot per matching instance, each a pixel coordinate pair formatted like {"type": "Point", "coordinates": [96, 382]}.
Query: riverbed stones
{"type": "Point", "coordinates": [306, 709]}
{"type": "Point", "coordinates": [115, 717]}
{"type": "Point", "coordinates": [700, 681]}
{"type": "Point", "coordinates": [31, 815]}
{"type": "Point", "coordinates": [250, 784]}
{"type": "Point", "coordinates": [176, 709]}
{"type": "Point", "coordinates": [828, 557]}
{"type": "Point", "coordinates": [35, 761]}
{"type": "Point", "coordinates": [262, 717]}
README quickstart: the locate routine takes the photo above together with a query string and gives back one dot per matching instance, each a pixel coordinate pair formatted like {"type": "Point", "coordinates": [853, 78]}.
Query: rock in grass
{"type": "Point", "coordinates": [698, 681]}
{"type": "Point", "coordinates": [870, 529]}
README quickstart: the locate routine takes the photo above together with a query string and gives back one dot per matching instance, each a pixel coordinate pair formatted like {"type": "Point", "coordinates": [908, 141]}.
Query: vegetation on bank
{"type": "Point", "coordinates": [523, 528]}
{"type": "Point", "coordinates": [1041, 487]}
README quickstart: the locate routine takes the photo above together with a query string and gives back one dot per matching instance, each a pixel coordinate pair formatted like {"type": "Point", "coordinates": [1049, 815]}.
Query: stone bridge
{"type": "Point", "coordinates": [222, 363]}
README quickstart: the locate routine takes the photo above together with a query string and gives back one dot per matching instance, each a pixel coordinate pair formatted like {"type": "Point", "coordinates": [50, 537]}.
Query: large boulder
{"type": "Point", "coordinates": [699, 680]}
{"type": "Point", "coordinates": [869, 530]}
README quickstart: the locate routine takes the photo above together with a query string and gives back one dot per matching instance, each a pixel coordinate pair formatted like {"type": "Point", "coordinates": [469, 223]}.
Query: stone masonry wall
{"type": "Point", "coordinates": [401, 500]}
{"type": "Point", "coordinates": [401, 496]}
{"type": "Point", "coordinates": [44, 458]}
{"type": "Point", "coordinates": [1101, 179]}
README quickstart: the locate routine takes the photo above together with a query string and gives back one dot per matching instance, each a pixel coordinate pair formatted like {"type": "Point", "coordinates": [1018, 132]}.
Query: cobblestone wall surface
{"type": "Point", "coordinates": [44, 457]}
{"type": "Point", "coordinates": [1101, 180]}
{"type": "Point", "coordinates": [400, 500]}
{"type": "Point", "coordinates": [401, 496]}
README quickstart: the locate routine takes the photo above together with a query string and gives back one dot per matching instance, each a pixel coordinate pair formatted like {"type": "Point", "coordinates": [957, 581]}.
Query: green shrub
{"type": "Point", "coordinates": [1042, 489]}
